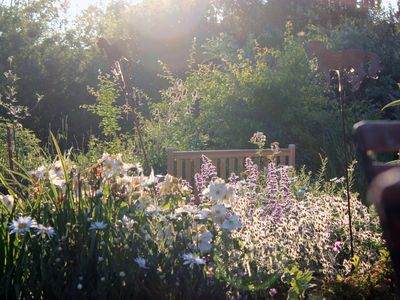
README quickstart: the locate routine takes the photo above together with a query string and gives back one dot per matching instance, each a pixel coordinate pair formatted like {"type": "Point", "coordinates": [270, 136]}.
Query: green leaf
{"type": "Point", "coordinates": [393, 103]}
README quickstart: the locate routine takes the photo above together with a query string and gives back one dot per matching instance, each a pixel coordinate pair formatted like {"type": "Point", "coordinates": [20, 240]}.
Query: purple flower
{"type": "Point", "coordinates": [272, 181]}
{"type": "Point", "coordinates": [252, 170]}
{"type": "Point", "coordinates": [284, 183]}
{"type": "Point", "coordinates": [208, 172]}
{"type": "Point", "coordinates": [337, 246]}
{"type": "Point", "coordinates": [273, 291]}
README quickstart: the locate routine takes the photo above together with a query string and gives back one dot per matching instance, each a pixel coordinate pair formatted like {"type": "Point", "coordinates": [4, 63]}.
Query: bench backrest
{"type": "Point", "coordinates": [185, 164]}
{"type": "Point", "coordinates": [374, 137]}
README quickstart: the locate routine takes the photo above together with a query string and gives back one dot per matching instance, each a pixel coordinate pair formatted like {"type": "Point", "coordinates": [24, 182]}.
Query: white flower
{"type": "Point", "coordinates": [141, 262]}
{"type": "Point", "coordinates": [185, 209]}
{"type": "Point", "coordinates": [97, 226]}
{"type": "Point", "coordinates": [8, 201]}
{"type": "Point", "coordinates": [57, 169]}
{"type": "Point", "coordinates": [204, 246]}
{"type": "Point", "coordinates": [43, 231]}
{"type": "Point", "coordinates": [23, 224]}
{"type": "Point", "coordinates": [217, 190]}
{"type": "Point", "coordinates": [150, 180]}
{"type": "Point", "coordinates": [202, 214]}
{"type": "Point", "coordinates": [153, 210]}
{"type": "Point", "coordinates": [169, 185]}
{"type": "Point", "coordinates": [191, 259]}
{"type": "Point", "coordinates": [231, 223]}
{"type": "Point", "coordinates": [57, 181]}
{"type": "Point", "coordinates": [204, 239]}
{"type": "Point", "coordinates": [112, 165]}
{"type": "Point", "coordinates": [79, 286]}
{"type": "Point", "coordinates": [127, 222]}
{"type": "Point", "coordinates": [218, 212]}
{"type": "Point", "coordinates": [39, 173]}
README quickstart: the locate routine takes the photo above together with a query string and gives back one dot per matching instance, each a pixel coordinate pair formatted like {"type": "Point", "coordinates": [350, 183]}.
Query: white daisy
{"type": "Point", "coordinates": [23, 224]}
{"type": "Point", "coordinates": [141, 262]}
{"type": "Point", "coordinates": [96, 225]}
{"type": "Point", "coordinates": [43, 231]}
{"type": "Point", "coordinates": [217, 190]}
{"type": "Point", "coordinates": [191, 259]}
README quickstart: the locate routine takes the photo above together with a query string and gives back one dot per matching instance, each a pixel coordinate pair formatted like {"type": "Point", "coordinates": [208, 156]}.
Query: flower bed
{"type": "Point", "coordinates": [107, 231]}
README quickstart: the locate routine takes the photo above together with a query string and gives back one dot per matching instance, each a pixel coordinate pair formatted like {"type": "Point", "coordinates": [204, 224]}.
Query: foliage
{"type": "Point", "coordinates": [269, 90]}
{"type": "Point", "coordinates": [26, 147]}
{"type": "Point", "coordinates": [105, 107]}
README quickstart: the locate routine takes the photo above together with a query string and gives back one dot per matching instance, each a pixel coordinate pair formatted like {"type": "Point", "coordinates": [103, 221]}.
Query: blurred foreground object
{"type": "Point", "coordinates": [375, 137]}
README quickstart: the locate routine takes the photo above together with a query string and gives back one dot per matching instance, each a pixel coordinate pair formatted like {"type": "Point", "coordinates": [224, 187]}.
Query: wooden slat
{"type": "Point", "coordinates": [196, 165]}
{"type": "Point", "coordinates": [240, 164]}
{"type": "Point", "coordinates": [170, 161]}
{"type": "Point", "coordinates": [292, 155]}
{"type": "Point", "coordinates": [179, 168]}
{"type": "Point", "coordinates": [188, 170]}
{"type": "Point", "coordinates": [223, 168]}
{"type": "Point", "coordinates": [231, 165]}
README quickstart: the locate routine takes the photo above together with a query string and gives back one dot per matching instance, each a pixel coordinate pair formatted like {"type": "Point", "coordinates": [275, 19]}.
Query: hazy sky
{"type": "Point", "coordinates": [78, 5]}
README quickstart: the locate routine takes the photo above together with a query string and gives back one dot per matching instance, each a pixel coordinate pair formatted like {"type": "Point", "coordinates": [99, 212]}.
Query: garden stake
{"type": "Point", "coordinates": [351, 61]}
{"type": "Point", "coordinates": [135, 119]}
{"type": "Point", "coordinates": [346, 160]}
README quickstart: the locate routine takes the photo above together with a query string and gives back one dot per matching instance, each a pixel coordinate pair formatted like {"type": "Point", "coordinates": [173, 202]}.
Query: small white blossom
{"type": "Point", "coordinates": [204, 239]}
{"type": "Point", "coordinates": [141, 262]}
{"type": "Point", "coordinates": [218, 212]}
{"type": "Point", "coordinates": [39, 173]}
{"type": "Point", "coordinates": [97, 226]}
{"type": "Point", "coordinates": [202, 214]}
{"type": "Point", "coordinates": [128, 223]}
{"type": "Point", "coordinates": [42, 231]}
{"type": "Point", "coordinates": [231, 223]}
{"type": "Point", "coordinates": [192, 259]}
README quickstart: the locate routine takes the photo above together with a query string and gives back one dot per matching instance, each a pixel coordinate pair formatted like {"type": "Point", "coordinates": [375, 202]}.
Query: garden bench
{"type": "Point", "coordinates": [185, 164]}
{"type": "Point", "coordinates": [374, 137]}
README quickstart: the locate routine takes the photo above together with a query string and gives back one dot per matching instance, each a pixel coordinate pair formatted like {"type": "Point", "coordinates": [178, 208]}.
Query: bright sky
{"type": "Point", "coordinates": [78, 5]}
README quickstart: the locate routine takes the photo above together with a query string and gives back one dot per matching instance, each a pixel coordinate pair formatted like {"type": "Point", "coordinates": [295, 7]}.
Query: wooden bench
{"type": "Point", "coordinates": [185, 164]}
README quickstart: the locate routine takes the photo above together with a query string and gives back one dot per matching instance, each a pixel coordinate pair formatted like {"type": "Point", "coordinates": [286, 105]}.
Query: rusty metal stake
{"type": "Point", "coordinates": [346, 160]}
